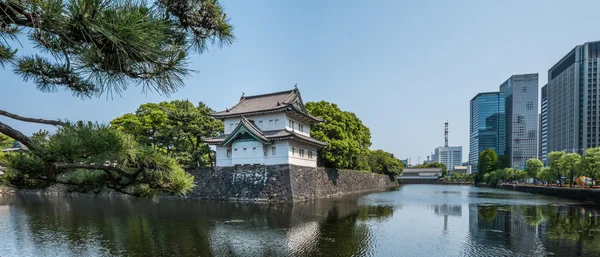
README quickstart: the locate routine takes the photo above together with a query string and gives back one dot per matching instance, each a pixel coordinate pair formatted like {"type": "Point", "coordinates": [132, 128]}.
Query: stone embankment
{"type": "Point", "coordinates": [579, 194]}
{"type": "Point", "coordinates": [269, 183]}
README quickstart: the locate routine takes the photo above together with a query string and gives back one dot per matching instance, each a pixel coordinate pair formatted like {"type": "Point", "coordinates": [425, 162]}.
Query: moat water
{"type": "Point", "coordinates": [413, 220]}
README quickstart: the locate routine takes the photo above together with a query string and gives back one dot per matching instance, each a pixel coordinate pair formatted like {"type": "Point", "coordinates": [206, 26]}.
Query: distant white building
{"type": "Point", "coordinates": [451, 156]}
{"type": "Point", "coordinates": [267, 129]}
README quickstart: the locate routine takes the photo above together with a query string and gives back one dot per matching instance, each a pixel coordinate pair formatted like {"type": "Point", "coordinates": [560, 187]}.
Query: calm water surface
{"type": "Point", "coordinates": [414, 220]}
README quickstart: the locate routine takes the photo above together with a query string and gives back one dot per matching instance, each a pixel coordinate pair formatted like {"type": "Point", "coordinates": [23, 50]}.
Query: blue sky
{"type": "Point", "coordinates": [403, 67]}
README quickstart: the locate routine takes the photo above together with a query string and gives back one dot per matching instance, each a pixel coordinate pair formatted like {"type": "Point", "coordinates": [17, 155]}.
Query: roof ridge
{"type": "Point", "coordinates": [269, 94]}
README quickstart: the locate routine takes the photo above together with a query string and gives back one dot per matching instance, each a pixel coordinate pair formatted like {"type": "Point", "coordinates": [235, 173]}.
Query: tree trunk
{"type": "Point", "coordinates": [20, 137]}
{"type": "Point", "coordinates": [571, 176]}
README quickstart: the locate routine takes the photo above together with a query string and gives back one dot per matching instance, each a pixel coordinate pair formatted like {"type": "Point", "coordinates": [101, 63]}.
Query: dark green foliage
{"type": "Point", "coordinates": [97, 46]}
{"type": "Point", "coordinates": [175, 128]}
{"type": "Point", "coordinates": [90, 157]}
{"type": "Point", "coordinates": [384, 163]}
{"type": "Point", "coordinates": [488, 162]}
{"type": "Point", "coordinates": [347, 137]}
{"type": "Point", "coordinates": [503, 162]}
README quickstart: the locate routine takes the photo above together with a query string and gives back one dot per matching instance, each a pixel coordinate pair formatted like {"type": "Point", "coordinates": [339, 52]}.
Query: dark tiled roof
{"type": "Point", "coordinates": [272, 102]}
{"type": "Point", "coordinates": [418, 170]}
{"type": "Point", "coordinates": [270, 136]}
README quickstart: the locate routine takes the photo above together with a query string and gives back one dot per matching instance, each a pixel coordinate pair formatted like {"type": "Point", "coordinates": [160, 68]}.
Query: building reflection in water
{"type": "Point", "coordinates": [54, 226]}
{"type": "Point", "coordinates": [446, 210]}
{"type": "Point", "coordinates": [537, 230]}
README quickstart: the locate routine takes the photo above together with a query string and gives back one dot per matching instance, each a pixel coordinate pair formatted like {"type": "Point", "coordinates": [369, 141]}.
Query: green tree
{"type": "Point", "coordinates": [488, 162]}
{"type": "Point", "coordinates": [533, 167]}
{"type": "Point", "coordinates": [590, 163]}
{"type": "Point", "coordinates": [5, 141]}
{"type": "Point", "coordinates": [503, 162]}
{"type": "Point", "coordinates": [347, 137]}
{"type": "Point", "coordinates": [175, 128]}
{"type": "Point", "coordinates": [555, 165]}
{"type": "Point", "coordinates": [570, 163]}
{"type": "Point", "coordinates": [546, 174]}
{"type": "Point", "coordinates": [385, 163]}
{"type": "Point", "coordinates": [99, 47]}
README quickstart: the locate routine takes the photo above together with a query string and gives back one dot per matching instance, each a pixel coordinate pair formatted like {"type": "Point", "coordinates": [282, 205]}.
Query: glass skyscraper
{"type": "Point", "coordinates": [521, 100]}
{"type": "Point", "coordinates": [487, 125]}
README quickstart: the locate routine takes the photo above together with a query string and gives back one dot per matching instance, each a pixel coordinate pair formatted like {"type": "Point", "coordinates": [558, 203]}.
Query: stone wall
{"type": "Point", "coordinates": [313, 183]}
{"type": "Point", "coordinates": [269, 183]}
{"type": "Point", "coordinates": [580, 194]}
{"type": "Point", "coordinates": [246, 182]}
{"type": "Point", "coordinates": [283, 183]}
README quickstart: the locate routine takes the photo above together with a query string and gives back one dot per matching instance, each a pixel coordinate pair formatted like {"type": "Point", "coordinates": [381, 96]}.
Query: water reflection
{"type": "Point", "coordinates": [415, 220]}
{"type": "Point", "coordinates": [53, 226]}
{"type": "Point", "coordinates": [538, 230]}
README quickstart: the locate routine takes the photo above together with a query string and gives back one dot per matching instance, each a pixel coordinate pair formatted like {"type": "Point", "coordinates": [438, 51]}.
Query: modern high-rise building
{"type": "Point", "coordinates": [572, 99]}
{"type": "Point", "coordinates": [521, 101]}
{"type": "Point", "coordinates": [451, 156]}
{"type": "Point", "coordinates": [543, 139]}
{"type": "Point", "coordinates": [487, 125]}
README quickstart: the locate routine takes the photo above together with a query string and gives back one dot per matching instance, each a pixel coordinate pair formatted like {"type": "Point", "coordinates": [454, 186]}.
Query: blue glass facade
{"type": "Point", "coordinates": [487, 125]}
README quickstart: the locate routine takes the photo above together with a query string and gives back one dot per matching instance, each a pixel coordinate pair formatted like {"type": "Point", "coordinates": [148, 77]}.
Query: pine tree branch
{"type": "Point", "coordinates": [65, 166]}
{"type": "Point", "coordinates": [20, 137]}
{"type": "Point", "coordinates": [33, 120]}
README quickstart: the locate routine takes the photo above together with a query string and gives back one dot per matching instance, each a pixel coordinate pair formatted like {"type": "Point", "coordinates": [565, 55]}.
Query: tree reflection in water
{"type": "Point", "coordinates": [562, 230]}
{"type": "Point", "coordinates": [58, 226]}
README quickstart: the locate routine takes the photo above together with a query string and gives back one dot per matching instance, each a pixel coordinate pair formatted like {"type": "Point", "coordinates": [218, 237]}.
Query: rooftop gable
{"type": "Point", "coordinates": [246, 127]}
{"type": "Point", "coordinates": [289, 100]}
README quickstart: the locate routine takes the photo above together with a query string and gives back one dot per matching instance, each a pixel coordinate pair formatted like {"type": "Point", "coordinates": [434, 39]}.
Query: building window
{"type": "Point", "coordinates": [228, 153]}
{"type": "Point", "coordinates": [270, 123]}
{"type": "Point", "coordinates": [301, 127]}
{"type": "Point", "coordinates": [291, 124]}
{"type": "Point", "coordinates": [524, 89]}
{"type": "Point", "coordinates": [529, 105]}
{"type": "Point", "coordinates": [244, 150]}
{"type": "Point", "coordinates": [293, 150]}
{"type": "Point", "coordinates": [301, 152]}
{"type": "Point", "coordinates": [260, 124]}
{"type": "Point", "coordinates": [276, 123]}
{"type": "Point", "coordinates": [310, 154]}
{"type": "Point", "coordinates": [253, 151]}
{"type": "Point", "coordinates": [273, 150]}
{"type": "Point", "coordinates": [235, 150]}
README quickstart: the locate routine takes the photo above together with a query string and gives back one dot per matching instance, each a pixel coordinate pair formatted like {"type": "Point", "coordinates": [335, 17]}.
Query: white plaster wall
{"type": "Point", "coordinates": [275, 121]}
{"type": "Point", "coordinates": [296, 159]}
{"type": "Point", "coordinates": [230, 124]}
{"type": "Point", "coordinates": [305, 131]}
{"type": "Point", "coordinates": [222, 159]}
{"type": "Point", "coordinates": [281, 153]}
{"type": "Point", "coordinates": [253, 153]}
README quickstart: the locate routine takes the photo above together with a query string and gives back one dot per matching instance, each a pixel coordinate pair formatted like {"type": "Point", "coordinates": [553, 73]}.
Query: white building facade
{"type": "Point", "coordinates": [267, 129]}
{"type": "Point", "coordinates": [451, 156]}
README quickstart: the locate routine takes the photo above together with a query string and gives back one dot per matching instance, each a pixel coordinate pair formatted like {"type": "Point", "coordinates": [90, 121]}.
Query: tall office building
{"type": "Point", "coordinates": [543, 138]}
{"type": "Point", "coordinates": [487, 125]}
{"type": "Point", "coordinates": [572, 99]}
{"type": "Point", "coordinates": [521, 101]}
